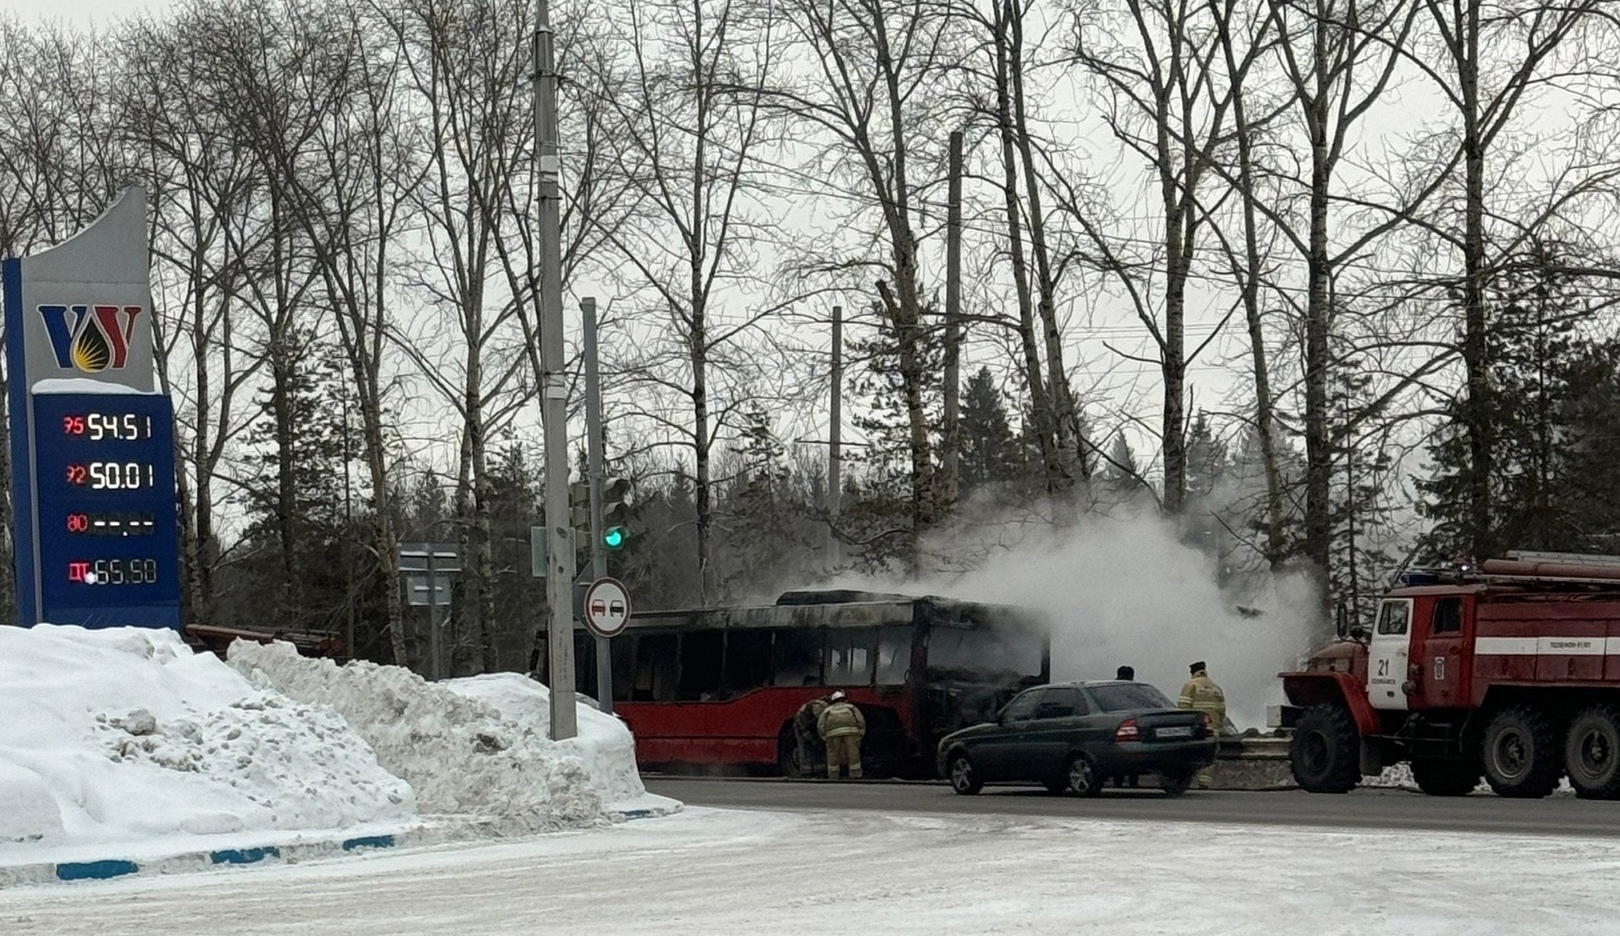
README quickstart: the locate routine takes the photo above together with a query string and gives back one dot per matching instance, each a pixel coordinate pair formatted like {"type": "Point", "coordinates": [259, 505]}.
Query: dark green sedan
{"type": "Point", "coordinates": [1072, 737]}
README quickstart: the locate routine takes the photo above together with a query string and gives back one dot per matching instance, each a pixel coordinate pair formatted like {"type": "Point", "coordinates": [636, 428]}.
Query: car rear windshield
{"type": "Point", "coordinates": [1127, 697]}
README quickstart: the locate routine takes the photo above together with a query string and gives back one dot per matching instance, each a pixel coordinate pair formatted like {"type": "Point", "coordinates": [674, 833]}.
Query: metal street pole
{"type": "Point", "coordinates": [437, 667]}
{"type": "Point", "coordinates": [593, 450]}
{"type": "Point", "coordinates": [953, 320]}
{"type": "Point", "coordinates": [554, 389]}
{"type": "Point", "coordinates": [835, 450]}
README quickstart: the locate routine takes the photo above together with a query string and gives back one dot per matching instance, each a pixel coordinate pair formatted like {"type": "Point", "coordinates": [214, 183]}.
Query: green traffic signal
{"type": "Point", "coordinates": [613, 537]}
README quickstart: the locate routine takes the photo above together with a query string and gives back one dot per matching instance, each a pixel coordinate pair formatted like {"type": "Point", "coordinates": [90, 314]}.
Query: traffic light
{"type": "Point", "coordinates": [615, 512]}
{"type": "Point", "coordinates": [579, 513]}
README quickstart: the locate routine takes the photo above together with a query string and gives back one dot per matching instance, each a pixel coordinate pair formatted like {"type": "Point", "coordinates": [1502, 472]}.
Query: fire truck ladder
{"type": "Point", "coordinates": [1549, 568]}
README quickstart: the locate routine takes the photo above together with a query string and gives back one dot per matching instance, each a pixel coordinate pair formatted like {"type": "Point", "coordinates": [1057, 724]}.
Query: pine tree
{"type": "Point", "coordinates": [1530, 343]}
{"type": "Point", "coordinates": [298, 535]}
{"type": "Point", "coordinates": [893, 507]}
{"type": "Point", "coordinates": [990, 454]}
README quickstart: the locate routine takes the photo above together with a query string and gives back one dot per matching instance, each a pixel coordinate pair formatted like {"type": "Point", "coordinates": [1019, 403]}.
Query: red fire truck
{"type": "Point", "coordinates": [1510, 670]}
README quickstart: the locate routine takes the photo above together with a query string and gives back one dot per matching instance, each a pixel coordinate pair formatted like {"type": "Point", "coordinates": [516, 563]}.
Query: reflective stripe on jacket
{"type": "Point", "coordinates": [1202, 695]}
{"type": "Point", "coordinates": [839, 719]}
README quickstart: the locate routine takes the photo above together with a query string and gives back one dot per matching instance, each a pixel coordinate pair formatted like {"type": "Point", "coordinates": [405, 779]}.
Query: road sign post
{"type": "Point", "coordinates": [430, 589]}
{"type": "Point", "coordinates": [607, 607]}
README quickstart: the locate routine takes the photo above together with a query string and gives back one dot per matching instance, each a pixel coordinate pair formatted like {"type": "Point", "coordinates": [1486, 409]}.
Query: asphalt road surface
{"type": "Point", "coordinates": [1561, 815]}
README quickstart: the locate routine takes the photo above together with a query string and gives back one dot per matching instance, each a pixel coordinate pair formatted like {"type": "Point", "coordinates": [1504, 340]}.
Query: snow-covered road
{"type": "Point", "coordinates": [737, 872]}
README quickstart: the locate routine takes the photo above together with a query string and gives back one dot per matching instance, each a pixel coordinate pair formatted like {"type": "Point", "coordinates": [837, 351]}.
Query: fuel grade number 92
{"type": "Point", "coordinates": [113, 571]}
{"type": "Point", "coordinates": [112, 476]}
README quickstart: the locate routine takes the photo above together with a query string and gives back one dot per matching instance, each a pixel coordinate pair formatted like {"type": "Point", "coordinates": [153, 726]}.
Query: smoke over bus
{"type": "Point", "coordinates": [1128, 592]}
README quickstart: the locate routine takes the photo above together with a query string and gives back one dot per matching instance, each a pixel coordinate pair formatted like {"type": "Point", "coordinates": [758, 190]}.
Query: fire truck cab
{"type": "Point", "coordinates": [1510, 671]}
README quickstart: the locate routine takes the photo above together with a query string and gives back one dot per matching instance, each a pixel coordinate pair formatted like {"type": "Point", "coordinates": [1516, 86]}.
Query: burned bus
{"type": "Point", "coordinates": [717, 688]}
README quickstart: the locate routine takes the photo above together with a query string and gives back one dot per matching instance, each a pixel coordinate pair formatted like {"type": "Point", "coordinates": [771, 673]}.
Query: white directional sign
{"type": "Point", "coordinates": [607, 607]}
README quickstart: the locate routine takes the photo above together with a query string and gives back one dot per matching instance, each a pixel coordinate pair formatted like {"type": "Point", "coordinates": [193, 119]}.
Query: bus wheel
{"type": "Point", "coordinates": [1592, 753]}
{"type": "Point", "coordinates": [1520, 760]}
{"type": "Point", "coordinates": [1445, 776]}
{"type": "Point", "coordinates": [1325, 752]}
{"type": "Point", "coordinates": [787, 752]}
{"type": "Point", "coordinates": [964, 779]}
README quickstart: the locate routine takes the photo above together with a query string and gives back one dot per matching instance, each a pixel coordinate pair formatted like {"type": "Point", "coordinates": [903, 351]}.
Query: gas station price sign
{"type": "Point", "coordinates": [106, 510]}
{"type": "Point", "coordinates": [96, 534]}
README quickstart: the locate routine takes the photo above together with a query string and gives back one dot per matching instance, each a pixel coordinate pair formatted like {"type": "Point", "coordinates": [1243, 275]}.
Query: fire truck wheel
{"type": "Point", "coordinates": [1592, 753]}
{"type": "Point", "coordinates": [964, 779]}
{"type": "Point", "coordinates": [1326, 751]}
{"type": "Point", "coordinates": [1445, 776]}
{"type": "Point", "coordinates": [1521, 756]}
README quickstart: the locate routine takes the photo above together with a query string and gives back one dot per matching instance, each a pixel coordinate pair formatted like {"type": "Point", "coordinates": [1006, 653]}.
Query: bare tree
{"type": "Point", "coordinates": [686, 110]}
{"type": "Point", "coordinates": [316, 103]}
{"type": "Point", "coordinates": [869, 80]}
{"type": "Point", "coordinates": [206, 235]}
{"type": "Point", "coordinates": [1493, 56]}
{"type": "Point", "coordinates": [59, 168]}
{"type": "Point", "coordinates": [1159, 84]}
{"type": "Point", "coordinates": [1024, 163]}
{"type": "Point", "coordinates": [465, 61]}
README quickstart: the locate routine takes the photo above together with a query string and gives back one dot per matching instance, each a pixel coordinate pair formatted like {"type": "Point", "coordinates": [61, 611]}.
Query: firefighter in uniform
{"type": "Point", "coordinates": [1202, 695]}
{"type": "Point", "coordinates": [842, 726]}
{"type": "Point", "coordinates": [805, 732]}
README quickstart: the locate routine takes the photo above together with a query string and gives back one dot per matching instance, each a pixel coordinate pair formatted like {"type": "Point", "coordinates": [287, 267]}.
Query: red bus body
{"type": "Point", "coordinates": [718, 688]}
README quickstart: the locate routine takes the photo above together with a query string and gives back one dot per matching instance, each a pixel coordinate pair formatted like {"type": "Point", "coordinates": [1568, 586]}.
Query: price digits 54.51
{"type": "Point", "coordinates": [112, 476]}
{"type": "Point", "coordinates": [98, 426]}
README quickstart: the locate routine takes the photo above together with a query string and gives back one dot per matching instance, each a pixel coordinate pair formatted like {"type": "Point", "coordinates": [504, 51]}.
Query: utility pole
{"type": "Point", "coordinates": [554, 389]}
{"type": "Point", "coordinates": [835, 452]}
{"type": "Point", "coordinates": [953, 318]}
{"type": "Point", "coordinates": [598, 470]}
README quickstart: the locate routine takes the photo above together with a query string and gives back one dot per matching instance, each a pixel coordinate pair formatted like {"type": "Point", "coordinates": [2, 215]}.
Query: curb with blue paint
{"type": "Point", "coordinates": [109, 868]}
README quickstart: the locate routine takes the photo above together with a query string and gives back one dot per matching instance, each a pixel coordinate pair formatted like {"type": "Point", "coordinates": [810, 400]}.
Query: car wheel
{"type": "Point", "coordinates": [1325, 753]}
{"type": "Point", "coordinates": [964, 779]}
{"type": "Point", "coordinates": [1083, 779]}
{"type": "Point", "coordinates": [1176, 784]}
{"type": "Point", "coordinates": [1592, 753]}
{"type": "Point", "coordinates": [1520, 756]}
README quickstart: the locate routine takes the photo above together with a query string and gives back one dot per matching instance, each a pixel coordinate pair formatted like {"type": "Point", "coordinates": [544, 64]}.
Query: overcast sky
{"type": "Point", "coordinates": [80, 12]}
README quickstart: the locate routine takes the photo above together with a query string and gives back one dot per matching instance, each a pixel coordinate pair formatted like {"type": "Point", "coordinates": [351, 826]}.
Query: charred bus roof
{"type": "Point", "coordinates": [839, 608]}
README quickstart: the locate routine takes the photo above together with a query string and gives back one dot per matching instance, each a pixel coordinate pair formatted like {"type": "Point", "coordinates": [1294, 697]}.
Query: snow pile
{"type": "Point", "coordinates": [122, 734]}
{"type": "Point", "coordinates": [475, 748]}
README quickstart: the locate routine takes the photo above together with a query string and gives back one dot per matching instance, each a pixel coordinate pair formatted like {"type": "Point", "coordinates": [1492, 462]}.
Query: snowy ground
{"type": "Point", "coordinates": [707, 871]}
{"type": "Point", "coordinates": [123, 741]}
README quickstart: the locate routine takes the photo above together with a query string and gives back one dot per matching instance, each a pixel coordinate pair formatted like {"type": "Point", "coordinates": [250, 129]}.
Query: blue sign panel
{"type": "Point", "coordinates": [109, 530]}
{"type": "Point", "coordinates": [96, 540]}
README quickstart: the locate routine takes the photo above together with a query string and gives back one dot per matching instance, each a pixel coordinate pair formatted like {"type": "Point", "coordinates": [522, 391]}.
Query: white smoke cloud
{"type": "Point", "coordinates": [1127, 591]}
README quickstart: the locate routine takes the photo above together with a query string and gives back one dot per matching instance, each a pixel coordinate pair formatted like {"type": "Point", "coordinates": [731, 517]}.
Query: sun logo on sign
{"type": "Point", "coordinates": [90, 338]}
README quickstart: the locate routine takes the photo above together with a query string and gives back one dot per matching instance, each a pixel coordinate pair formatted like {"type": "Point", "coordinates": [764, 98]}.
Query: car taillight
{"type": "Point", "coordinates": [1127, 731]}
